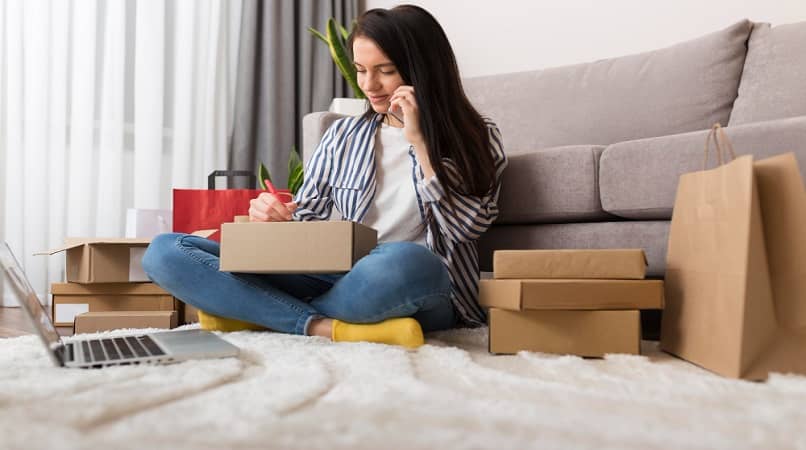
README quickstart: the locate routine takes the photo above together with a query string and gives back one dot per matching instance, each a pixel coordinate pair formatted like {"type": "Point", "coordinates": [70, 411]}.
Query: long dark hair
{"type": "Point", "coordinates": [452, 128]}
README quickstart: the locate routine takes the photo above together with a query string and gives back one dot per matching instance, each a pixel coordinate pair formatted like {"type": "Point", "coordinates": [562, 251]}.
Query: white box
{"type": "Point", "coordinates": [147, 223]}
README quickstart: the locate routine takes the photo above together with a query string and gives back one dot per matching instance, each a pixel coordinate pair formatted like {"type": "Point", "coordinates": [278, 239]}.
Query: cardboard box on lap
{"type": "Point", "coordinates": [92, 322]}
{"type": "Point", "coordinates": [72, 299]}
{"type": "Point", "coordinates": [91, 260]}
{"type": "Point", "coordinates": [294, 247]}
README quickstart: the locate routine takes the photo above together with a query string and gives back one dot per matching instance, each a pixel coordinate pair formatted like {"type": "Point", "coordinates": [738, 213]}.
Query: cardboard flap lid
{"type": "Point", "coordinates": [73, 242]}
{"type": "Point", "coordinates": [59, 249]}
{"type": "Point", "coordinates": [205, 233]}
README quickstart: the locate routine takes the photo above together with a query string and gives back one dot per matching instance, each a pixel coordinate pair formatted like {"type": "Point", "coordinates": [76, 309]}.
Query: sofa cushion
{"type": "Point", "coordinates": [638, 179]}
{"type": "Point", "coordinates": [648, 235]}
{"type": "Point", "coordinates": [773, 84]}
{"type": "Point", "coordinates": [552, 185]}
{"type": "Point", "coordinates": [686, 87]}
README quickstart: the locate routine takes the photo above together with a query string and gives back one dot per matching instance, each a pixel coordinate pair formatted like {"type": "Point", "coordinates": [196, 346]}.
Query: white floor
{"type": "Point", "coordinates": [308, 393]}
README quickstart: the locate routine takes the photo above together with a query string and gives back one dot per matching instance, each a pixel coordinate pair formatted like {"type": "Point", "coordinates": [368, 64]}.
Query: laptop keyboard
{"type": "Point", "coordinates": [69, 352]}
{"type": "Point", "coordinates": [113, 349]}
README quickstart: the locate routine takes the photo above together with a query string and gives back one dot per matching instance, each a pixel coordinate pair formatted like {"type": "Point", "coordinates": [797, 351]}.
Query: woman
{"type": "Point", "coordinates": [421, 166]}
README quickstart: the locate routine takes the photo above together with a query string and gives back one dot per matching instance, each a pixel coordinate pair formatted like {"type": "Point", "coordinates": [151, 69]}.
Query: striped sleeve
{"type": "Point", "coordinates": [313, 199]}
{"type": "Point", "coordinates": [471, 215]}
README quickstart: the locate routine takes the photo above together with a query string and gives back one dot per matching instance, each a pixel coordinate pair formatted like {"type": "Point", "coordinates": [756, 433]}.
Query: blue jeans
{"type": "Point", "coordinates": [397, 279]}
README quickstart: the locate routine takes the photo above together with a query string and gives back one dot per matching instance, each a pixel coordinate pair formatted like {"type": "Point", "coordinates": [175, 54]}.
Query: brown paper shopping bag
{"type": "Point", "coordinates": [735, 278]}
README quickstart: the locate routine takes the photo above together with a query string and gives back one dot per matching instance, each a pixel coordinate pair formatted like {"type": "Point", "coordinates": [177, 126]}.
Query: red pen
{"type": "Point", "coordinates": [271, 188]}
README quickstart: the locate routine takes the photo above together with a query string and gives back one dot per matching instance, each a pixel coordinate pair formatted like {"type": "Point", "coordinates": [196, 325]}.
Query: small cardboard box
{"type": "Point", "coordinates": [518, 295]}
{"type": "Point", "coordinates": [581, 333]}
{"type": "Point", "coordinates": [91, 260]}
{"type": "Point", "coordinates": [92, 322]}
{"type": "Point", "coordinates": [596, 263]}
{"type": "Point", "coordinates": [72, 299]}
{"type": "Point", "coordinates": [294, 247]}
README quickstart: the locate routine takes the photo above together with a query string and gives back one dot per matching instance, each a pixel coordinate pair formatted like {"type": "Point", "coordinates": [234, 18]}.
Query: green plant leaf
{"type": "Point", "coordinates": [295, 170]}
{"type": "Point", "coordinates": [294, 161]}
{"type": "Point", "coordinates": [339, 55]}
{"type": "Point", "coordinates": [263, 175]}
{"type": "Point", "coordinates": [344, 33]}
{"type": "Point", "coordinates": [295, 180]}
{"type": "Point", "coordinates": [337, 51]}
{"type": "Point", "coordinates": [319, 35]}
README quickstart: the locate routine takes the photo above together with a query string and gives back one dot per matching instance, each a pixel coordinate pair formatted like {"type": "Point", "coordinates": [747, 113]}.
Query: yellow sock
{"type": "Point", "coordinates": [404, 331]}
{"type": "Point", "coordinates": [211, 322]}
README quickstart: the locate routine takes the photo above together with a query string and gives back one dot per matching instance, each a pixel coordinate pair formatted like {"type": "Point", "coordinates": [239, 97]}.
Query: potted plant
{"type": "Point", "coordinates": [295, 175]}
{"type": "Point", "coordinates": [335, 37]}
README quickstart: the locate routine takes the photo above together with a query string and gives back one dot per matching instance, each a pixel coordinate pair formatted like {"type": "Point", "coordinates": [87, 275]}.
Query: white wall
{"type": "Point", "coordinates": [503, 36]}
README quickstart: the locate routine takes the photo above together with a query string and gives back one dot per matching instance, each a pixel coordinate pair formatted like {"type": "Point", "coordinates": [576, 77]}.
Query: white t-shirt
{"type": "Point", "coordinates": [394, 211]}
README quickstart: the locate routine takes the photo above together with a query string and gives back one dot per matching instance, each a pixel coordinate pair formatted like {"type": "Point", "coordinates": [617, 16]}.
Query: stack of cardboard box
{"type": "Point", "coordinates": [579, 302]}
{"type": "Point", "coordinates": [107, 288]}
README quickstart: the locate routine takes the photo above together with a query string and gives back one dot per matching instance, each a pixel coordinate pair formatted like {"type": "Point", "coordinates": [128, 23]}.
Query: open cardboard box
{"type": "Point", "coordinates": [92, 260]}
{"type": "Point", "coordinates": [294, 247]}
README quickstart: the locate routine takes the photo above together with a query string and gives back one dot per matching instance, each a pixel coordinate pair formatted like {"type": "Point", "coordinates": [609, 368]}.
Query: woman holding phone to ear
{"type": "Point", "coordinates": [421, 166]}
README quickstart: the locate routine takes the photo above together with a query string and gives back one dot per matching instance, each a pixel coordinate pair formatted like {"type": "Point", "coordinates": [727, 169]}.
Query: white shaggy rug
{"type": "Point", "coordinates": [308, 393]}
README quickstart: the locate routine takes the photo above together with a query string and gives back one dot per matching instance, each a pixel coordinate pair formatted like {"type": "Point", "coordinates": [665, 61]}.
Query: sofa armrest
{"type": "Point", "coordinates": [638, 179]}
{"type": "Point", "coordinates": [314, 126]}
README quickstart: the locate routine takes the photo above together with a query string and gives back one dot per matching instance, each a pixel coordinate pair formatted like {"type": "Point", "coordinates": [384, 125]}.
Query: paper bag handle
{"type": "Point", "coordinates": [717, 134]}
{"type": "Point", "coordinates": [230, 174]}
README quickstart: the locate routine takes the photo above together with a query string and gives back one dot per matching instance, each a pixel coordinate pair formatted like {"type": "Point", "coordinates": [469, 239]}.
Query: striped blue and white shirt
{"type": "Point", "coordinates": [341, 173]}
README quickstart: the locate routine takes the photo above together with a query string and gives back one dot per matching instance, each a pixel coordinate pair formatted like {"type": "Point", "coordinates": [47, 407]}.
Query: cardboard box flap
{"type": "Point", "coordinates": [78, 242]}
{"type": "Point", "coordinates": [205, 233]}
{"type": "Point", "coordinates": [59, 249]}
{"type": "Point", "coordinates": [125, 241]}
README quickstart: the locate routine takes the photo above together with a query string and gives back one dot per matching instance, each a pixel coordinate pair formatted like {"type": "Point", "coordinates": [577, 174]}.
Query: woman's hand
{"type": "Point", "coordinates": [268, 208]}
{"type": "Point", "coordinates": [403, 100]}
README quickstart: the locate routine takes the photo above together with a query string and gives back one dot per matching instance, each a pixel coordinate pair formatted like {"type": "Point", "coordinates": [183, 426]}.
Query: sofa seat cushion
{"type": "Point", "coordinates": [638, 179]}
{"type": "Point", "coordinates": [773, 83]}
{"type": "Point", "coordinates": [554, 185]}
{"type": "Point", "coordinates": [685, 87]}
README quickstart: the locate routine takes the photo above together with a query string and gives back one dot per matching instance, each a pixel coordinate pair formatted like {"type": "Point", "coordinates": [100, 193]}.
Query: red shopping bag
{"type": "Point", "coordinates": [207, 209]}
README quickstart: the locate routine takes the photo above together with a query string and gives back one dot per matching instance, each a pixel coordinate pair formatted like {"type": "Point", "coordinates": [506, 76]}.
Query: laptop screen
{"type": "Point", "coordinates": [26, 296]}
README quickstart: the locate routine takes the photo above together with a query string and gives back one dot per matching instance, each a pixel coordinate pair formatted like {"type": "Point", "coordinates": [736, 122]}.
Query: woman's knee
{"type": "Point", "coordinates": [159, 252]}
{"type": "Point", "coordinates": [416, 264]}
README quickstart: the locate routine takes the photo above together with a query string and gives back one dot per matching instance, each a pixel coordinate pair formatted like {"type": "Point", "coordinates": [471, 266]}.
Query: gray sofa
{"type": "Point", "coordinates": [596, 149]}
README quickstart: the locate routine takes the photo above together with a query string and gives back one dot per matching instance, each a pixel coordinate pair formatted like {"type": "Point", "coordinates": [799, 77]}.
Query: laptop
{"type": "Point", "coordinates": [150, 348]}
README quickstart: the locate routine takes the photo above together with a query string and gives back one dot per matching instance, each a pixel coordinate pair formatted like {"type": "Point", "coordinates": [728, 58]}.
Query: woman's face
{"type": "Point", "coordinates": [377, 75]}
